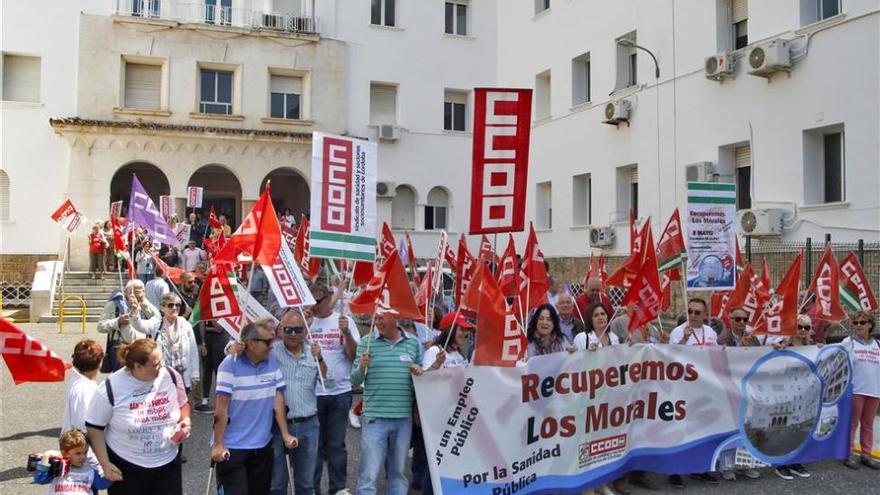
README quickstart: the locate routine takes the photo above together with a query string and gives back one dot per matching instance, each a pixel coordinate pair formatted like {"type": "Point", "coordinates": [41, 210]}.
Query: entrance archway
{"type": "Point", "coordinates": [149, 175]}
{"type": "Point", "coordinates": [289, 190]}
{"type": "Point", "coordinates": [221, 190]}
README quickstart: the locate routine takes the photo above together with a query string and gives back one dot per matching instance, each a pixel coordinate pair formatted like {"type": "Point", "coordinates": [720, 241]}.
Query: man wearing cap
{"type": "Point", "coordinates": [386, 358]}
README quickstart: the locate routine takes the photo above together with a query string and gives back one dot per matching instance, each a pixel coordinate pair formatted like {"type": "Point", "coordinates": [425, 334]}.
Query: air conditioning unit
{"type": "Point", "coordinates": [759, 222]}
{"type": "Point", "coordinates": [769, 57]}
{"type": "Point", "coordinates": [718, 66]}
{"type": "Point", "coordinates": [272, 21]}
{"type": "Point", "coordinates": [616, 111]}
{"type": "Point", "coordinates": [601, 236]}
{"type": "Point", "coordinates": [385, 189]}
{"type": "Point", "coordinates": [389, 132]}
{"type": "Point", "coordinates": [701, 172]}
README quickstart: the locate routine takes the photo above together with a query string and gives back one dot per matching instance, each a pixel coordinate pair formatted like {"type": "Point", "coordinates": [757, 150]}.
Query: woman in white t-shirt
{"type": "Point", "coordinates": [596, 334]}
{"type": "Point", "coordinates": [175, 338]}
{"type": "Point", "coordinates": [448, 350]}
{"type": "Point", "coordinates": [136, 421]}
{"type": "Point", "coordinates": [865, 354]}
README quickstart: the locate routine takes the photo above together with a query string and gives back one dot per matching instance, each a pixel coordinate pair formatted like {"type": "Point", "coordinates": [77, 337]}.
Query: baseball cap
{"type": "Point", "coordinates": [461, 322]}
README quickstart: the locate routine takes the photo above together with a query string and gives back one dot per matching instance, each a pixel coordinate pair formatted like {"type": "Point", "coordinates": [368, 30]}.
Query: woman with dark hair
{"type": "Point", "coordinates": [596, 334]}
{"type": "Point", "coordinates": [449, 349]}
{"type": "Point", "coordinates": [87, 357]}
{"type": "Point", "coordinates": [136, 421]}
{"type": "Point", "coordinates": [864, 352]}
{"type": "Point", "coordinates": [544, 333]}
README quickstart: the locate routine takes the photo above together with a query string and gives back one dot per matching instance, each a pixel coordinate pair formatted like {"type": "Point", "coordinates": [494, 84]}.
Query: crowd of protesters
{"type": "Point", "coordinates": [282, 396]}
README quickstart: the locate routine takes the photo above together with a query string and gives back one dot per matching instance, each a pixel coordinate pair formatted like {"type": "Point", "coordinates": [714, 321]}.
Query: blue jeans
{"type": "Point", "coordinates": [333, 418]}
{"type": "Point", "coordinates": [384, 442]}
{"type": "Point", "coordinates": [302, 459]}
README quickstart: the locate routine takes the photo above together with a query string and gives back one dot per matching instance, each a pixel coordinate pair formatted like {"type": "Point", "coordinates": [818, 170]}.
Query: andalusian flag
{"type": "Point", "coordinates": [855, 291]}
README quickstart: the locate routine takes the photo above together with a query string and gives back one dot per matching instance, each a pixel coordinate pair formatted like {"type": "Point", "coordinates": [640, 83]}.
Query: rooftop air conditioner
{"type": "Point", "coordinates": [389, 132]}
{"type": "Point", "coordinates": [601, 236]}
{"type": "Point", "coordinates": [701, 172]}
{"type": "Point", "coordinates": [385, 189]}
{"type": "Point", "coordinates": [616, 111]}
{"type": "Point", "coordinates": [760, 222]}
{"type": "Point", "coordinates": [769, 57]}
{"type": "Point", "coordinates": [718, 66]}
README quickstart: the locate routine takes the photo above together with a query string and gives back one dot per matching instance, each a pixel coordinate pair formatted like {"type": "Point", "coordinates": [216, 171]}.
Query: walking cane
{"type": "Point", "coordinates": [210, 475]}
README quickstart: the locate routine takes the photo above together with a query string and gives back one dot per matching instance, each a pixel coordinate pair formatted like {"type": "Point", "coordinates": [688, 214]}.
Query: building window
{"type": "Point", "coordinates": [143, 86]}
{"type": "Point", "coordinates": [825, 165]}
{"type": "Point", "coordinates": [742, 161]}
{"type": "Point", "coordinates": [403, 208]}
{"type": "Point", "coordinates": [382, 12]}
{"type": "Point", "coordinates": [436, 209]}
{"type": "Point", "coordinates": [383, 104]}
{"type": "Point", "coordinates": [581, 204]}
{"type": "Point", "coordinates": [218, 12]}
{"type": "Point", "coordinates": [627, 191]}
{"type": "Point", "coordinates": [21, 78]}
{"type": "Point", "coordinates": [454, 110]}
{"type": "Point", "coordinates": [456, 18]}
{"type": "Point", "coordinates": [145, 8]}
{"type": "Point", "coordinates": [285, 96]}
{"type": "Point", "coordinates": [580, 79]}
{"type": "Point", "coordinates": [216, 92]}
{"type": "Point", "coordinates": [541, 6]}
{"type": "Point", "coordinates": [818, 10]}
{"type": "Point", "coordinates": [627, 61]}
{"type": "Point", "coordinates": [739, 20]}
{"type": "Point", "coordinates": [828, 8]}
{"type": "Point", "coordinates": [542, 95]}
{"type": "Point", "coordinates": [544, 205]}
{"type": "Point", "coordinates": [4, 196]}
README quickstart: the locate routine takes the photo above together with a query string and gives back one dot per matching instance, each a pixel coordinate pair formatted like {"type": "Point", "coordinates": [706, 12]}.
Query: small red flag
{"type": "Point", "coordinates": [781, 317]}
{"type": "Point", "coordinates": [217, 297]}
{"type": "Point", "coordinates": [363, 272]}
{"type": "Point", "coordinates": [411, 258]}
{"type": "Point", "coordinates": [826, 289]}
{"type": "Point", "coordinates": [533, 279]}
{"type": "Point", "coordinates": [499, 339]}
{"type": "Point", "coordinates": [670, 249]}
{"type": "Point", "coordinates": [212, 220]}
{"type": "Point", "coordinates": [644, 295]}
{"type": "Point", "coordinates": [28, 359]}
{"type": "Point", "coordinates": [855, 288]}
{"type": "Point", "coordinates": [386, 243]}
{"type": "Point", "coordinates": [259, 235]}
{"type": "Point", "coordinates": [464, 271]}
{"type": "Point", "coordinates": [623, 276]}
{"type": "Point", "coordinates": [171, 272]}
{"type": "Point", "coordinates": [508, 273]}
{"type": "Point", "coordinates": [308, 266]}
{"type": "Point", "coordinates": [391, 286]}
{"type": "Point", "coordinates": [765, 276]}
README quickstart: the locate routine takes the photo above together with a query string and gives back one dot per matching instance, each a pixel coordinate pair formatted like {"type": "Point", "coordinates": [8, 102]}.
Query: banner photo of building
{"type": "Point", "coordinates": [343, 220]}
{"type": "Point", "coordinates": [711, 236]}
{"type": "Point", "coordinates": [567, 422]}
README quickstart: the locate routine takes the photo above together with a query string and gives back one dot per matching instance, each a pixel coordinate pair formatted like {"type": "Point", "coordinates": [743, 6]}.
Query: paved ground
{"type": "Point", "coordinates": [30, 415]}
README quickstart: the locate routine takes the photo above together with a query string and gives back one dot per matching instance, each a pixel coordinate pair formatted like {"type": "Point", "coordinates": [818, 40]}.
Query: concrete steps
{"type": "Point", "coordinates": [93, 292]}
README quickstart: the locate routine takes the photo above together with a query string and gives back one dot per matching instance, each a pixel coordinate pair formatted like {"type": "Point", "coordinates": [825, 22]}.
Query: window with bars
{"type": "Point", "coordinates": [456, 18]}
{"type": "Point", "coordinates": [382, 12]}
{"type": "Point", "coordinates": [454, 110]}
{"type": "Point", "coordinates": [285, 97]}
{"type": "Point", "coordinates": [216, 92]}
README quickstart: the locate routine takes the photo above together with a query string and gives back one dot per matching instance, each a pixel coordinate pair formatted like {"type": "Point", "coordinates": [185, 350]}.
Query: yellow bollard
{"type": "Point", "coordinates": [81, 312]}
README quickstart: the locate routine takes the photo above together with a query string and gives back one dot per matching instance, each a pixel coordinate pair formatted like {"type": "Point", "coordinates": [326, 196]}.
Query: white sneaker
{"type": "Point", "coordinates": [355, 423]}
{"type": "Point", "coordinates": [344, 491]}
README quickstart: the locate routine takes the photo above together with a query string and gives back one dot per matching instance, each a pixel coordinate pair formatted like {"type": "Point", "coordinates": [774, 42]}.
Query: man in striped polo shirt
{"type": "Point", "coordinates": [249, 393]}
{"type": "Point", "coordinates": [386, 358]}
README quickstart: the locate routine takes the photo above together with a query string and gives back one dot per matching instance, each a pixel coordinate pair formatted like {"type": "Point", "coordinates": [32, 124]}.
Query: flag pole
{"type": "Point", "coordinates": [309, 337]}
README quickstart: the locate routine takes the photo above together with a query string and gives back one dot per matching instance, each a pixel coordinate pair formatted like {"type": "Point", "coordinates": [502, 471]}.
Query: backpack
{"type": "Point", "coordinates": [109, 387]}
{"type": "Point", "coordinates": [114, 338]}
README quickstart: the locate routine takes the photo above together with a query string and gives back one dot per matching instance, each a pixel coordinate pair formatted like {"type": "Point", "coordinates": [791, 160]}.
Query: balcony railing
{"type": "Point", "coordinates": [218, 15]}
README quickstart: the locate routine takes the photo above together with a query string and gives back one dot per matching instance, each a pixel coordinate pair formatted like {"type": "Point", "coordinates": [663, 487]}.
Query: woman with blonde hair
{"type": "Point", "coordinates": [174, 336]}
{"type": "Point", "coordinates": [865, 354]}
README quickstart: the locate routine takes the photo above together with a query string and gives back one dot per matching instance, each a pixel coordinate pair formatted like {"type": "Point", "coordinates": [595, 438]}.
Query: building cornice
{"type": "Point", "coordinates": [80, 125]}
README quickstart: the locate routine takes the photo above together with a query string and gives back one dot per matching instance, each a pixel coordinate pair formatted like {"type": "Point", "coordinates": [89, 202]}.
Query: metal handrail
{"type": "Point", "coordinates": [82, 312]}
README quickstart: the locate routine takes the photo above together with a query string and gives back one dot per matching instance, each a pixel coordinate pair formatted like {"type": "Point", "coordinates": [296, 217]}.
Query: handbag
{"type": "Point", "coordinates": [111, 350]}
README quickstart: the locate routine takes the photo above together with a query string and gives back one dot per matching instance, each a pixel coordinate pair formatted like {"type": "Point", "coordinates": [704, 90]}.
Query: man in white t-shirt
{"type": "Point", "coordinates": [338, 337]}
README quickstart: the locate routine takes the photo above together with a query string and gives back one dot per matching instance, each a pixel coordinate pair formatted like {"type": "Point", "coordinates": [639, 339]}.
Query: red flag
{"type": "Point", "coordinates": [765, 276]}
{"type": "Point", "coordinates": [308, 265]}
{"type": "Point", "coordinates": [718, 301]}
{"type": "Point", "coordinates": [740, 263]}
{"type": "Point", "coordinates": [665, 291]}
{"type": "Point", "coordinates": [259, 235]}
{"type": "Point", "coordinates": [855, 290]}
{"type": "Point", "coordinates": [533, 279]}
{"type": "Point", "coordinates": [172, 273]}
{"type": "Point", "coordinates": [28, 359]}
{"type": "Point", "coordinates": [644, 295]}
{"type": "Point", "coordinates": [499, 339]}
{"type": "Point", "coordinates": [470, 301]}
{"type": "Point", "coordinates": [212, 220]}
{"type": "Point", "coordinates": [391, 285]}
{"type": "Point", "coordinates": [386, 243]}
{"type": "Point", "coordinates": [633, 230]}
{"type": "Point", "coordinates": [423, 295]}
{"type": "Point", "coordinates": [670, 249]}
{"type": "Point", "coordinates": [508, 273]}
{"type": "Point", "coordinates": [411, 258]}
{"type": "Point", "coordinates": [781, 317]}
{"type": "Point", "coordinates": [623, 276]}
{"type": "Point", "coordinates": [826, 289]}
{"type": "Point", "coordinates": [449, 256]}
{"type": "Point", "coordinates": [464, 271]}
{"type": "Point", "coordinates": [118, 238]}
{"type": "Point", "coordinates": [363, 272]}
{"type": "Point", "coordinates": [739, 294]}
{"type": "Point", "coordinates": [217, 297]}
{"type": "Point", "coordinates": [487, 254]}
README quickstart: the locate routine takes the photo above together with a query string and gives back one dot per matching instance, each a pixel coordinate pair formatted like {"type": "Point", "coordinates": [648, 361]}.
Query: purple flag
{"type": "Point", "coordinates": [143, 212]}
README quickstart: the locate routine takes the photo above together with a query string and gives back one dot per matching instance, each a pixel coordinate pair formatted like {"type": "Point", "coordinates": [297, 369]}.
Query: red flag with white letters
{"type": "Point", "coordinates": [855, 291]}
{"type": "Point", "coordinates": [28, 359]}
{"type": "Point", "coordinates": [217, 298]}
{"type": "Point", "coordinates": [308, 265]}
{"type": "Point", "coordinates": [533, 279]}
{"type": "Point", "coordinates": [499, 340]}
{"type": "Point", "coordinates": [781, 317]}
{"type": "Point", "coordinates": [391, 286]}
{"type": "Point", "coordinates": [508, 272]}
{"type": "Point", "coordinates": [826, 289]}
{"type": "Point", "coordinates": [386, 243]}
{"type": "Point", "coordinates": [644, 296]}
{"type": "Point", "coordinates": [464, 270]}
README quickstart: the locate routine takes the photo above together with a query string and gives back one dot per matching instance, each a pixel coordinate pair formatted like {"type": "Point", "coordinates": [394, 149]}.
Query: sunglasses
{"type": "Point", "coordinates": [861, 322]}
{"type": "Point", "coordinates": [172, 305]}
{"type": "Point", "coordinates": [695, 312]}
{"type": "Point", "coordinates": [291, 330]}
{"type": "Point", "coordinates": [804, 327]}
{"type": "Point", "coordinates": [268, 342]}
{"type": "Point", "coordinates": [740, 319]}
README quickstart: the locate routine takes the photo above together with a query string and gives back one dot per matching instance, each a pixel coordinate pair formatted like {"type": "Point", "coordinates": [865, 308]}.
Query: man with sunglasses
{"type": "Point", "coordinates": [300, 363]}
{"type": "Point", "coordinates": [694, 331]}
{"type": "Point", "coordinates": [338, 339]}
{"type": "Point", "coordinates": [249, 395]}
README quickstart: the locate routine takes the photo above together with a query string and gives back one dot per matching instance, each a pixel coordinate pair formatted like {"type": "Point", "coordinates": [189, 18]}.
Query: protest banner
{"type": "Point", "coordinates": [711, 236]}
{"type": "Point", "coordinates": [69, 217]}
{"type": "Point", "coordinates": [286, 280]}
{"type": "Point", "coordinates": [116, 209]}
{"type": "Point", "coordinates": [194, 197]}
{"type": "Point", "coordinates": [343, 223]}
{"type": "Point", "coordinates": [252, 311]}
{"type": "Point", "coordinates": [183, 232]}
{"type": "Point", "coordinates": [166, 206]}
{"type": "Point", "coordinates": [568, 422]}
{"type": "Point", "coordinates": [499, 176]}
